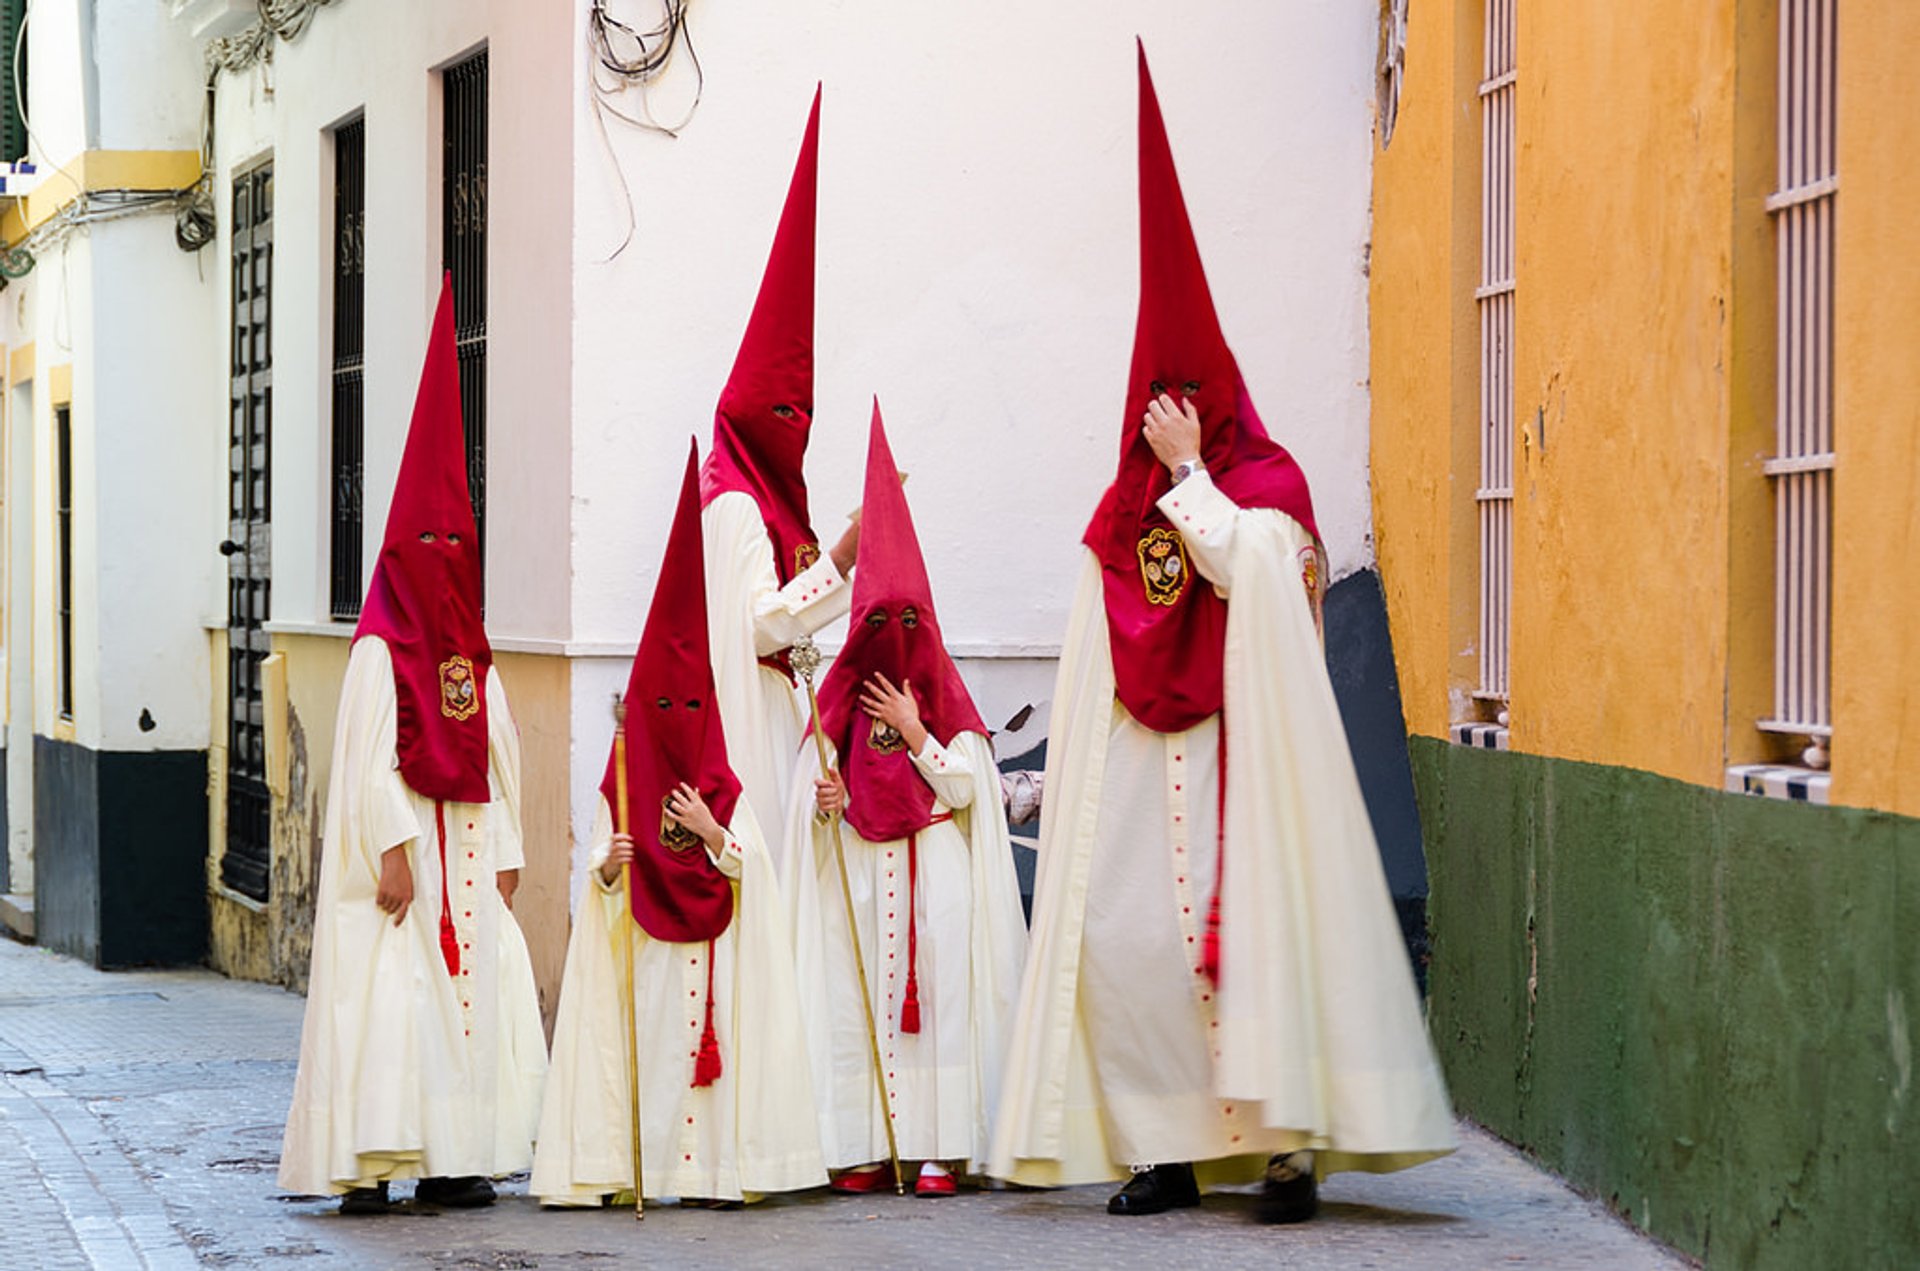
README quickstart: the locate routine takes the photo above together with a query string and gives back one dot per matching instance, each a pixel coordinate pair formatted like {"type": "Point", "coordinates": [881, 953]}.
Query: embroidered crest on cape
{"type": "Point", "coordinates": [804, 556]}
{"type": "Point", "coordinates": [674, 836]}
{"type": "Point", "coordinates": [885, 738]}
{"type": "Point", "coordinates": [459, 692]}
{"type": "Point", "coordinates": [1163, 565]}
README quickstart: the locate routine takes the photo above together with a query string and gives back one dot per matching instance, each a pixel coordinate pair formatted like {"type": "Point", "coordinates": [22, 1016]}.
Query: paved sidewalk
{"type": "Point", "coordinates": [140, 1119]}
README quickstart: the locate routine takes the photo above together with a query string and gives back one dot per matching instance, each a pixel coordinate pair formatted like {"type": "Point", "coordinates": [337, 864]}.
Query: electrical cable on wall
{"type": "Point", "coordinates": [195, 219]}
{"type": "Point", "coordinates": [622, 57]}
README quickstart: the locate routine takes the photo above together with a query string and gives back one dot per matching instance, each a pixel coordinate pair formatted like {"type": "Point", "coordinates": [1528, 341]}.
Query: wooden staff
{"type": "Point", "coordinates": [626, 943]}
{"type": "Point", "coordinates": [806, 660]}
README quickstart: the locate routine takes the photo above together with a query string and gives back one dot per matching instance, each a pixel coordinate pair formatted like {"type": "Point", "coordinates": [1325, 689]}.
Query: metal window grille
{"type": "Point", "coordinates": [1495, 297]}
{"type": "Point", "coordinates": [63, 530]}
{"type": "Point", "coordinates": [245, 864]}
{"type": "Point", "coordinates": [464, 248]}
{"type": "Point", "coordinates": [349, 348]}
{"type": "Point", "coordinates": [1802, 467]}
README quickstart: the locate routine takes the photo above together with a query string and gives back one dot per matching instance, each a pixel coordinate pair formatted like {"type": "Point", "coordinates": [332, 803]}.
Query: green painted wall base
{"type": "Point", "coordinates": [1694, 1004]}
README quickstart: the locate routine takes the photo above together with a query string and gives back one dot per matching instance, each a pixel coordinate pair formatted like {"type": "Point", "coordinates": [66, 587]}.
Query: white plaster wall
{"type": "Point", "coordinates": [381, 62]}
{"type": "Point", "coordinates": [56, 79]}
{"type": "Point", "coordinates": [126, 311]}
{"type": "Point", "coordinates": [147, 56]}
{"type": "Point", "coordinates": [61, 316]}
{"type": "Point", "coordinates": [156, 509]}
{"type": "Point", "coordinates": [978, 270]}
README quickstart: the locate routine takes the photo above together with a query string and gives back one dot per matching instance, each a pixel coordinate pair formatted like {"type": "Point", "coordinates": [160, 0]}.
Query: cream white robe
{"type": "Point", "coordinates": [407, 1071]}
{"type": "Point", "coordinates": [1123, 1052]}
{"type": "Point", "coordinates": [754, 1129]}
{"type": "Point", "coordinates": [944, 1080]}
{"type": "Point", "coordinates": [751, 616]}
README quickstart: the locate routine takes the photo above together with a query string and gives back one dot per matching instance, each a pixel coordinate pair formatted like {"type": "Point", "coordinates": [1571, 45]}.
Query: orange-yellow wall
{"type": "Point", "coordinates": [1623, 169]}
{"type": "Point", "coordinates": [1425, 342]}
{"type": "Point", "coordinates": [1644, 365]}
{"type": "Point", "coordinates": [1876, 645]}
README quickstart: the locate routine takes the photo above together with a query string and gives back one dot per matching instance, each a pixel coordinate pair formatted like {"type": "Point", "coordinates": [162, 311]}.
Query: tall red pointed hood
{"type": "Point", "coordinates": [894, 632]}
{"type": "Point", "coordinates": [766, 411]}
{"type": "Point", "coordinates": [424, 598]}
{"type": "Point", "coordinates": [1168, 633]}
{"type": "Point", "coordinates": [674, 735]}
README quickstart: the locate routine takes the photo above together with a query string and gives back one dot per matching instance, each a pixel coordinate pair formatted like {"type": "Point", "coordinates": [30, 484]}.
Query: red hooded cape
{"type": "Point", "coordinates": [674, 735]}
{"type": "Point", "coordinates": [1168, 629]}
{"type": "Point", "coordinates": [760, 427]}
{"type": "Point", "coordinates": [424, 599]}
{"type": "Point", "coordinates": [894, 632]}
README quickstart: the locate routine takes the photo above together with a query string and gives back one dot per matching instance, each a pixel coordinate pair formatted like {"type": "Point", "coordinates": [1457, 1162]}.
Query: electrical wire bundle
{"type": "Point", "coordinates": [625, 57]}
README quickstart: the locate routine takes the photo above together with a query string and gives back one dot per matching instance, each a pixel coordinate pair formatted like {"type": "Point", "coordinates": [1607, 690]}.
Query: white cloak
{"type": "Point", "coordinates": [1315, 1037]}
{"type": "Point", "coordinates": [405, 1070]}
{"type": "Point", "coordinates": [754, 1129]}
{"type": "Point", "coordinates": [751, 616]}
{"type": "Point", "coordinates": [972, 939]}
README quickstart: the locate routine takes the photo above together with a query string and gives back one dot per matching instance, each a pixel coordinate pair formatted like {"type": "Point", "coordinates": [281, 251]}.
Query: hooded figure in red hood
{"type": "Point", "coordinates": [768, 582]}
{"type": "Point", "coordinates": [929, 867]}
{"type": "Point", "coordinates": [716, 1008]}
{"type": "Point", "coordinates": [1216, 954]}
{"type": "Point", "coordinates": [423, 1052]}
{"type": "Point", "coordinates": [765, 414]}
{"type": "Point", "coordinates": [1168, 636]}
{"type": "Point", "coordinates": [424, 599]}
{"type": "Point", "coordinates": [677, 773]}
{"type": "Point", "coordinates": [894, 640]}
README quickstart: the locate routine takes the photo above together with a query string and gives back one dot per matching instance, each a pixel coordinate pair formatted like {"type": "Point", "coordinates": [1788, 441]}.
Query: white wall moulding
{"type": "Point", "coordinates": [214, 19]}
{"type": "Point", "coordinates": [1777, 781]}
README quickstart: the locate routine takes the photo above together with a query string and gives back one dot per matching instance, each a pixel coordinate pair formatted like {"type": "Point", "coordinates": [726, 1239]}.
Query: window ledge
{"type": "Point", "coordinates": [1479, 736]}
{"type": "Point", "coordinates": [1779, 781]}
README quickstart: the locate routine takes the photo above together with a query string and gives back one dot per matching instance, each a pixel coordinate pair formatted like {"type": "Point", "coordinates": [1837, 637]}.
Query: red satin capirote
{"type": "Point", "coordinates": [893, 632]}
{"type": "Point", "coordinates": [1168, 642]}
{"type": "Point", "coordinates": [674, 736]}
{"type": "Point", "coordinates": [761, 425]}
{"type": "Point", "coordinates": [424, 597]}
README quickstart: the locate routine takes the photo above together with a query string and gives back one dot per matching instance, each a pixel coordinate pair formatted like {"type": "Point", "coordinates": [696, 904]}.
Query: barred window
{"type": "Point", "coordinates": [1802, 467]}
{"type": "Point", "coordinates": [464, 251]}
{"type": "Point", "coordinates": [349, 349]}
{"type": "Point", "coordinates": [1494, 298]}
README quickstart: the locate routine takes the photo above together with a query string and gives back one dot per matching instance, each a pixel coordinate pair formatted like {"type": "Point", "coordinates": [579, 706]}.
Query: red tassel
{"type": "Point", "coordinates": [910, 1008]}
{"type": "Point", "coordinates": [706, 1068]}
{"type": "Point", "coordinates": [449, 942]}
{"type": "Point", "coordinates": [1210, 943]}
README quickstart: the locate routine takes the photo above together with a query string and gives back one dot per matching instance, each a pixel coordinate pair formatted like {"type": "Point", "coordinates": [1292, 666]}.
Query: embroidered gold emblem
{"type": "Point", "coordinates": [885, 738]}
{"type": "Point", "coordinates": [459, 694]}
{"type": "Point", "coordinates": [1163, 565]}
{"type": "Point", "coordinates": [674, 836]}
{"type": "Point", "coordinates": [804, 556]}
{"type": "Point", "coordinates": [1310, 568]}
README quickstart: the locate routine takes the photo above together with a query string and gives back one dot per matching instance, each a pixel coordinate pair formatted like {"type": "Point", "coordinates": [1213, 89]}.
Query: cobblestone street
{"type": "Point", "coordinates": [140, 1118]}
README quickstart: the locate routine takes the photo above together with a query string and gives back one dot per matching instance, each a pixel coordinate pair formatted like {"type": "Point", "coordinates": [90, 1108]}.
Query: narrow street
{"type": "Point", "coordinates": [140, 1118]}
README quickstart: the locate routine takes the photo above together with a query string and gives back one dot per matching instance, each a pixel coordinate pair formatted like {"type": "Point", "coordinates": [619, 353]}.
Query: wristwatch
{"type": "Point", "coordinates": [1184, 470]}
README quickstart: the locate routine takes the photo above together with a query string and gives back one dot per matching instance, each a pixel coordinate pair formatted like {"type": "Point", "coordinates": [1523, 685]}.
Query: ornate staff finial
{"type": "Point", "coordinates": [805, 656]}
{"type": "Point", "coordinates": [619, 710]}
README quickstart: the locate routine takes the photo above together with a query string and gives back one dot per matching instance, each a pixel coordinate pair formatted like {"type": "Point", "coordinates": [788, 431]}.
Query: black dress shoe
{"type": "Point", "coordinates": [1290, 1193]}
{"type": "Point", "coordinates": [1156, 1190]}
{"type": "Point", "coordinates": [469, 1191]}
{"type": "Point", "coordinates": [365, 1200]}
